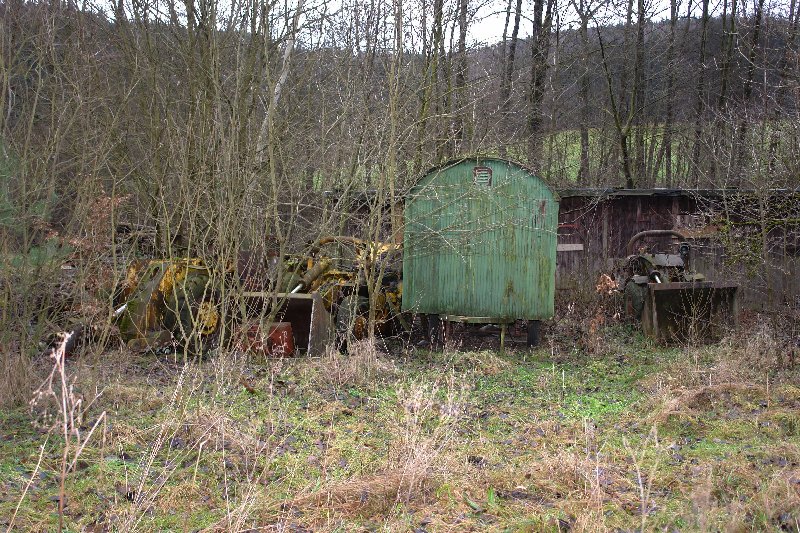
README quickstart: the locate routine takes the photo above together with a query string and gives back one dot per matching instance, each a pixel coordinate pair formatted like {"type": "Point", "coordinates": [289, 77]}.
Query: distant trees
{"type": "Point", "coordinates": [652, 99]}
{"type": "Point", "coordinates": [251, 107]}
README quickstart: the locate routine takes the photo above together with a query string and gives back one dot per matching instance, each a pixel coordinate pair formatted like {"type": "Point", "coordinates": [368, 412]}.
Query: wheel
{"type": "Point", "coordinates": [534, 332]}
{"type": "Point", "coordinates": [350, 320]}
{"type": "Point", "coordinates": [435, 331]}
{"type": "Point", "coordinates": [634, 297]}
{"type": "Point", "coordinates": [193, 316]}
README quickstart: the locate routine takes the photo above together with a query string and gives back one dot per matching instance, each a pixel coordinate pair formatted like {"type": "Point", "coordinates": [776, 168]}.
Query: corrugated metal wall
{"type": "Point", "coordinates": [480, 241]}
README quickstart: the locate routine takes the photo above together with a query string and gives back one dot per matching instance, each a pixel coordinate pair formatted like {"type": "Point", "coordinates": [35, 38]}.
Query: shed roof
{"type": "Point", "coordinates": [702, 193]}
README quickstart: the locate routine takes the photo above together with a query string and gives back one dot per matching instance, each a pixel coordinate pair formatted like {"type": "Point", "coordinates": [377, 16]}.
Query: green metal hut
{"type": "Point", "coordinates": [479, 243]}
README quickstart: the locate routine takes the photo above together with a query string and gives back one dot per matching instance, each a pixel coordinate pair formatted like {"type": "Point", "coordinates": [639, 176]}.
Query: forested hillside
{"type": "Point", "coordinates": [244, 103]}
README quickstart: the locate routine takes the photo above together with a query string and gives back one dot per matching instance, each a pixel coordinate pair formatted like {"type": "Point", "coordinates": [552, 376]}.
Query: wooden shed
{"type": "Point", "coordinates": [596, 224]}
{"type": "Point", "coordinates": [480, 241]}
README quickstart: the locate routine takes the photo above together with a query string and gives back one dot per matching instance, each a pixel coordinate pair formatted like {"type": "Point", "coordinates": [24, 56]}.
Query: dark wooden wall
{"type": "Point", "coordinates": [604, 225]}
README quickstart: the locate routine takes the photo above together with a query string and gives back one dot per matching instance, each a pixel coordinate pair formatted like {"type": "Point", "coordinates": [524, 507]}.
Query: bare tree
{"type": "Point", "coordinates": [540, 49]}
{"type": "Point", "coordinates": [586, 11]}
{"type": "Point", "coordinates": [462, 68]}
{"type": "Point", "coordinates": [747, 96]}
{"type": "Point", "coordinates": [509, 58]}
{"type": "Point", "coordinates": [674, 7]}
{"type": "Point", "coordinates": [622, 123]}
{"type": "Point", "coordinates": [700, 93]}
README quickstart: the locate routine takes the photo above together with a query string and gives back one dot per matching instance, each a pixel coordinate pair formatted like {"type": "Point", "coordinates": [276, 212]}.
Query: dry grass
{"type": "Point", "coordinates": [362, 365]}
{"type": "Point", "coordinates": [768, 347]}
{"type": "Point", "coordinates": [369, 495]}
{"type": "Point", "coordinates": [16, 378]}
{"type": "Point", "coordinates": [585, 480]}
{"type": "Point", "coordinates": [180, 497]}
{"type": "Point", "coordinates": [774, 498]}
{"type": "Point", "coordinates": [211, 428]}
{"type": "Point", "coordinates": [695, 401]}
{"type": "Point", "coordinates": [118, 393]}
{"type": "Point", "coordinates": [485, 362]}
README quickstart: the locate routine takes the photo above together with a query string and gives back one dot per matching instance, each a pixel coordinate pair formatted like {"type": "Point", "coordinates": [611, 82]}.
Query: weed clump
{"type": "Point", "coordinates": [16, 378]}
{"type": "Point", "coordinates": [422, 428]}
{"type": "Point", "coordinates": [361, 366]}
{"type": "Point", "coordinates": [770, 346]}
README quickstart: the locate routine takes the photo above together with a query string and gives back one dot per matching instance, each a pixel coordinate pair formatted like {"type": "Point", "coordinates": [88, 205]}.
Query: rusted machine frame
{"type": "Point", "coordinates": [652, 233]}
{"type": "Point", "coordinates": [673, 311]}
{"type": "Point", "coordinates": [143, 319]}
{"type": "Point", "coordinates": [303, 304]}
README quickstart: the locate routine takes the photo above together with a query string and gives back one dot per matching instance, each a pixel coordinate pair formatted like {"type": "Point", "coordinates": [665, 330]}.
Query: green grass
{"type": "Point", "coordinates": [515, 442]}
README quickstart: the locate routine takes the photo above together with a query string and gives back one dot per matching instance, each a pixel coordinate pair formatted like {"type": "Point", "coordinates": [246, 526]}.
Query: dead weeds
{"type": "Point", "coordinates": [363, 365]}
{"type": "Point", "coordinates": [368, 496]}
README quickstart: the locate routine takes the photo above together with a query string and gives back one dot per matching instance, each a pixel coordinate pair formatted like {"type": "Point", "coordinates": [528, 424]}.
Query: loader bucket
{"type": "Point", "coordinates": [311, 322]}
{"type": "Point", "coordinates": [679, 312]}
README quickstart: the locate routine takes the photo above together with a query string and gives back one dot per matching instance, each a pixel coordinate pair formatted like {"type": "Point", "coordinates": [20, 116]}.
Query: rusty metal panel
{"type": "Point", "coordinates": [690, 311]}
{"type": "Point", "coordinates": [480, 240]}
{"type": "Point", "coordinates": [311, 322]}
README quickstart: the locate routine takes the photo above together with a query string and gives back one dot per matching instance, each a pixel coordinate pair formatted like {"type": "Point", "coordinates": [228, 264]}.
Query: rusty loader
{"type": "Point", "coordinates": [672, 302]}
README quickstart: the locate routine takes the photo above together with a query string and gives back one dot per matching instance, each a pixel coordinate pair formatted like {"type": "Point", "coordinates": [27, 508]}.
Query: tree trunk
{"type": "Point", "coordinates": [670, 114]}
{"type": "Point", "coordinates": [638, 93]}
{"type": "Point", "coordinates": [728, 33]}
{"type": "Point", "coordinates": [508, 63]}
{"type": "Point", "coordinates": [461, 77]}
{"type": "Point", "coordinates": [622, 129]}
{"type": "Point", "coordinates": [427, 90]}
{"type": "Point", "coordinates": [540, 41]}
{"type": "Point", "coordinates": [439, 77]}
{"type": "Point", "coordinates": [624, 107]}
{"type": "Point", "coordinates": [584, 13]}
{"type": "Point", "coordinates": [700, 95]}
{"type": "Point", "coordinates": [748, 88]}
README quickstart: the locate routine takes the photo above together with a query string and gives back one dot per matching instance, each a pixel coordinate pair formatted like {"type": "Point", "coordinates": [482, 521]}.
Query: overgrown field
{"type": "Point", "coordinates": [628, 437]}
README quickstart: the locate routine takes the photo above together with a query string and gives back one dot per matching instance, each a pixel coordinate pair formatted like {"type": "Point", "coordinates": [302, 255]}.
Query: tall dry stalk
{"type": "Point", "coordinates": [59, 406]}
